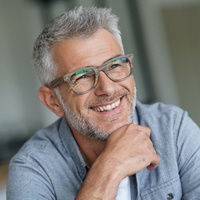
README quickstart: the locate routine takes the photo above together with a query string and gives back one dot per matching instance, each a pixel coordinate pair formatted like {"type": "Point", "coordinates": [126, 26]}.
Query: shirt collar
{"type": "Point", "coordinates": [71, 147]}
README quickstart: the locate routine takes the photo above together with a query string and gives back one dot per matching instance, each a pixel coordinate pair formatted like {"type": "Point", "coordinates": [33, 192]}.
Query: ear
{"type": "Point", "coordinates": [48, 97]}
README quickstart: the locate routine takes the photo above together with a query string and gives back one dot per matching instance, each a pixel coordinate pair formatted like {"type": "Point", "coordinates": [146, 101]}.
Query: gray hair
{"type": "Point", "coordinates": [79, 22]}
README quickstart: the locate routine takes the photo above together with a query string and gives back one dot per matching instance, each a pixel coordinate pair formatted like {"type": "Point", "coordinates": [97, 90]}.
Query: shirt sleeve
{"type": "Point", "coordinates": [188, 146]}
{"type": "Point", "coordinates": [27, 181]}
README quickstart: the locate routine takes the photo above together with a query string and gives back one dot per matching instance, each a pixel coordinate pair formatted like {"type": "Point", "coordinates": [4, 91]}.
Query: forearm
{"type": "Point", "coordinates": [101, 182]}
{"type": "Point", "coordinates": [127, 151]}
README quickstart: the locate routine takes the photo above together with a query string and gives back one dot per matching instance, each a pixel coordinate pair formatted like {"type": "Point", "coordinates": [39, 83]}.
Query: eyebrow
{"type": "Point", "coordinates": [111, 58]}
{"type": "Point", "coordinates": [89, 66]}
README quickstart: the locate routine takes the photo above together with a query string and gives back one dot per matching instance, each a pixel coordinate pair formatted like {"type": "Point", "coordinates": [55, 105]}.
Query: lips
{"type": "Point", "coordinates": [107, 107]}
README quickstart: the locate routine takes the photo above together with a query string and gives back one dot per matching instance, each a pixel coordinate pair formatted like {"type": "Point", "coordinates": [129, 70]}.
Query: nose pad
{"type": "Point", "coordinates": [104, 86]}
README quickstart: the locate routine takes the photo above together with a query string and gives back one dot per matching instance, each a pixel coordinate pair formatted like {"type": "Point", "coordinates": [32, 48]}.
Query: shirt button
{"type": "Point", "coordinates": [170, 196]}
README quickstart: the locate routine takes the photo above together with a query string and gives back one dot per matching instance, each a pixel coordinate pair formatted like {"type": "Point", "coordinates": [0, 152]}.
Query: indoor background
{"type": "Point", "coordinates": [164, 36]}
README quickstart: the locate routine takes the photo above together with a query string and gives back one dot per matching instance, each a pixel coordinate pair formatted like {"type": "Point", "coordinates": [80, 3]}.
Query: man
{"type": "Point", "coordinates": [105, 145]}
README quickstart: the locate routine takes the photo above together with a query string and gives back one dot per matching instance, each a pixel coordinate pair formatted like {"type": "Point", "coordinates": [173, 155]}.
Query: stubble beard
{"type": "Point", "coordinates": [89, 127]}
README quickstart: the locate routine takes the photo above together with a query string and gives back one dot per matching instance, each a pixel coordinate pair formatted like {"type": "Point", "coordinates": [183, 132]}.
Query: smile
{"type": "Point", "coordinates": [107, 107]}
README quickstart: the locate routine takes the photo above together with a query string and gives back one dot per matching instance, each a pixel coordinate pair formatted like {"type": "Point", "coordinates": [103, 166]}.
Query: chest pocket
{"type": "Point", "coordinates": [170, 190]}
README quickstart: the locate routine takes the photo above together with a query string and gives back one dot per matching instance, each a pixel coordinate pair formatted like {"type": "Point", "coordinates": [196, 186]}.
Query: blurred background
{"type": "Point", "coordinates": [164, 36]}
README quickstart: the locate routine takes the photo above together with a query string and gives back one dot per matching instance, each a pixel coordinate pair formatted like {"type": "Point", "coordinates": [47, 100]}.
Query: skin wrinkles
{"type": "Point", "coordinates": [78, 108]}
{"type": "Point", "coordinates": [89, 127]}
{"type": "Point", "coordinates": [100, 120]}
{"type": "Point", "coordinates": [107, 99]}
{"type": "Point", "coordinates": [105, 136]}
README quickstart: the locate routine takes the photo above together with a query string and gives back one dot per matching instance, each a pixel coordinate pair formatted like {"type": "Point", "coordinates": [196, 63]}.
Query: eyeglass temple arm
{"type": "Point", "coordinates": [56, 82]}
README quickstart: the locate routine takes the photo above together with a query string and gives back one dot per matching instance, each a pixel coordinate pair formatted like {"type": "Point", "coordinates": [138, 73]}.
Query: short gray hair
{"type": "Point", "coordinates": [79, 22]}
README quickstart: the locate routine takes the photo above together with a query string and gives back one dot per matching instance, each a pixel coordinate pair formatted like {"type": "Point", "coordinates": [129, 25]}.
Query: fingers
{"type": "Point", "coordinates": [144, 129]}
{"type": "Point", "coordinates": [155, 163]}
{"type": "Point", "coordinates": [131, 143]}
{"type": "Point", "coordinates": [155, 159]}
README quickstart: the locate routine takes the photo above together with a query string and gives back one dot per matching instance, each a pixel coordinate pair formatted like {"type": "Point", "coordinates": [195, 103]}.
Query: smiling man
{"type": "Point", "coordinates": [97, 63]}
{"type": "Point", "coordinates": [105, 144]}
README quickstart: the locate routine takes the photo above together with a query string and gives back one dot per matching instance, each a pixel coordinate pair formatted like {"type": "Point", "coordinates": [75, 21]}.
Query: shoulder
{"type": "Point", "coordinates": [43, 140]}
{"type": "Point", "coordinates": [167, 122]}
{"type": "Point", "coordinates": [42, 148]}
{"type": "Point", "coordinates": [162, 115]}
{"type": "Point", "coordinates": [170, 125]}
{"type": "Point", "coordinates": [157, 109]}
{"type": "Point", "coordinates": [47, 164]}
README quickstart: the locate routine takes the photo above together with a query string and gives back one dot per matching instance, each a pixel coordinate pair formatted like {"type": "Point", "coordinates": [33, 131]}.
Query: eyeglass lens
{"type": "Point", "coordinates": [116, 69]}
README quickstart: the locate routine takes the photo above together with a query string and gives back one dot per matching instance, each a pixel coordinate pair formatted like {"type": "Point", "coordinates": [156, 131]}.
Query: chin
{"type": "Point", "coordinates": [104, 133]}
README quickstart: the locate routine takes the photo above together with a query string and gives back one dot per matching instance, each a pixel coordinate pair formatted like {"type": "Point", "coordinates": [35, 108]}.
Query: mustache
{"type": "Point", "coordinates": [106, 99]}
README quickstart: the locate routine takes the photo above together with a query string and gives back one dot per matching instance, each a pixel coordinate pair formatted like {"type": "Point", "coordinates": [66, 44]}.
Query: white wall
{"type": "Point", "coordinates": [171, 29]}
{"type": "Point", "coordinates": [182, 24]}
{"type": "Point", "coordinates": [20, 109]}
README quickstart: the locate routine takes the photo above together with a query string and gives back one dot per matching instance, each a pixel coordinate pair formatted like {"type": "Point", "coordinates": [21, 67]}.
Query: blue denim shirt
{"type": "Point", "coordinates": [50, 166]}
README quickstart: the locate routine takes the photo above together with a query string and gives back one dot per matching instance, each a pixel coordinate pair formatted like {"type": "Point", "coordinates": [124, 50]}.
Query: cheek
{"type": "Point", "coordinates": [72, 101]}
{"type": "Point", "coordinates": [77, 103]}
{"type": "Point", "coordinates": [129, 84]}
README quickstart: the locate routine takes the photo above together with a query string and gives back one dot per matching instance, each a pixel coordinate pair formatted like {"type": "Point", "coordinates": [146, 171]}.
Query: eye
{"type": "Point", "coordinates": [114, 66]}
{"type": "Point", "coordinates": [84, 76]}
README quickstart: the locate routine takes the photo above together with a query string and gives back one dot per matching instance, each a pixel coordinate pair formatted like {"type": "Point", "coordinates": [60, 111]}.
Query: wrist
{"type": "Point", "coordinates": [102, 181]}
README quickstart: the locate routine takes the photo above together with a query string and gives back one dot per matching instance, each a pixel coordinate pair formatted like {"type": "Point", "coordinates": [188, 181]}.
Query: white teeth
{"type": "Point", "coordinates": [108, 107]}
{"type": "Point", "coordinates": [100, 109]}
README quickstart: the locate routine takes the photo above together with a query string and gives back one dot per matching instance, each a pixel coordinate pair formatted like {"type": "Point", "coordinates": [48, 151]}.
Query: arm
{"type": "Point", "coordinates": [27, 180]}
{"type": "Point", "coordinates": [188, 145]}
{"type": "Point", "coordinates": [128, 150]}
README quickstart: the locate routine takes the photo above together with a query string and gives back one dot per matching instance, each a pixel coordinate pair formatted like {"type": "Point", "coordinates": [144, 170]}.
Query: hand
{"type": "Point", "coordinates": [129, 150]}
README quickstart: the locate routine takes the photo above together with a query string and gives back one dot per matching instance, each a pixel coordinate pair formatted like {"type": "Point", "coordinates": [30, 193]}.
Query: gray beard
{"type": "Point", "coordinates": [88, 127]}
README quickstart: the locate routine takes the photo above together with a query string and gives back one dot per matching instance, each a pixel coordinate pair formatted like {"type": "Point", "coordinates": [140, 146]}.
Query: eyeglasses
{"type": "Point", "coordinates": [83, 80]}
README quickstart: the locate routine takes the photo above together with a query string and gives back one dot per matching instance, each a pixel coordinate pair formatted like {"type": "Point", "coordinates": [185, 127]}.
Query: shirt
{"type": "Point", "coordinates": [124, 190]}
{"type": "Point", "coordinates": [50, 166]}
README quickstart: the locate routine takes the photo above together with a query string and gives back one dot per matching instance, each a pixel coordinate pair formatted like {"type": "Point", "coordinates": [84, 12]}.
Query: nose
{"type": "Point", "coordinates": [105, 86]}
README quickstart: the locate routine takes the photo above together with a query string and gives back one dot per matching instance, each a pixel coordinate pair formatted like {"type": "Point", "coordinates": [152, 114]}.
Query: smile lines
{"type": "Point", "coordinates": [108, 107]}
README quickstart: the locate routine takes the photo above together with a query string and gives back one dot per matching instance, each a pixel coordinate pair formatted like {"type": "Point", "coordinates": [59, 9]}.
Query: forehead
{"type": "Point", "coordinates": [77, 53]}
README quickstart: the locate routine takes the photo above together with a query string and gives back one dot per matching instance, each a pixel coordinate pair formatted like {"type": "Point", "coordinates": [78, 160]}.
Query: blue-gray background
{"type": "Point", "coordinates": [164, 36]}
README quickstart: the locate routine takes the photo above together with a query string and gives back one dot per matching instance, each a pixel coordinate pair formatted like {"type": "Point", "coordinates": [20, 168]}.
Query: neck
{"type": "Point", "coordinates": [90, 148]}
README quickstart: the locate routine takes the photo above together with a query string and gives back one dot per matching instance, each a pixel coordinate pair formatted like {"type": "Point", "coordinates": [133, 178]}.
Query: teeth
{"type": "Point", "coordinates": [108, 107]}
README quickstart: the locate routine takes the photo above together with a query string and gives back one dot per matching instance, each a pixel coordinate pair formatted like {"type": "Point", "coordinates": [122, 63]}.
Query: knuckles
{"type": "Point", "coordinates": [132, 142]}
